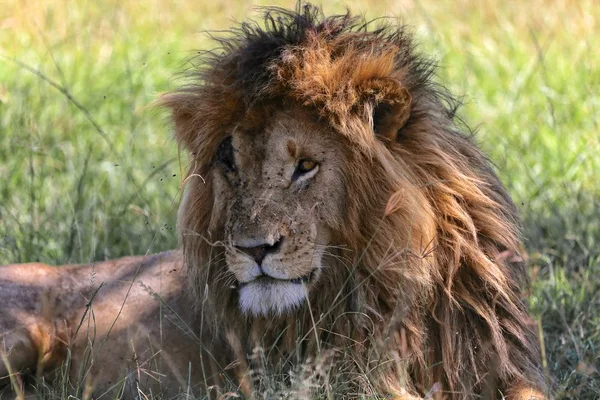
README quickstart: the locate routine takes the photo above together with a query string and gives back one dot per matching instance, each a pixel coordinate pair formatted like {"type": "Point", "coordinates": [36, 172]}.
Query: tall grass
{"type": "Point", "coordinates": [88, 171]}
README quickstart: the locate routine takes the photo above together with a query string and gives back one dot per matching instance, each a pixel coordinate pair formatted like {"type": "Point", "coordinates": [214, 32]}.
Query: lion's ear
{"type": "Point", "coordinates": [390, 106]}
{"type": "Point", "coordinates": [181, 106]}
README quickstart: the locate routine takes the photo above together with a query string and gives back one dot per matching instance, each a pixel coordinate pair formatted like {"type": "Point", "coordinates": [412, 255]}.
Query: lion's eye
{"type": "Point", "coordinates": [304, 167]}
{"type": "Point", "coordinates": [225, 155]}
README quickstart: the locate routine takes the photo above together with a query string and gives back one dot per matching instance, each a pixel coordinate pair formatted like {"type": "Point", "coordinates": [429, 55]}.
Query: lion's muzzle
{"type": "Point", "coordinates": [274, 273]}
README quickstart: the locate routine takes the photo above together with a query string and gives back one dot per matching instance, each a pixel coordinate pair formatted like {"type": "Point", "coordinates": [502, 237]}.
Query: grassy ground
{"type": "Point", "coordinates": [88, 171]}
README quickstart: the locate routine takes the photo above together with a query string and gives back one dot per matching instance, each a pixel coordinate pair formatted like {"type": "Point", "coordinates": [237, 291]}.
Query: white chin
{"type": "Point", "coordinates": [267, 298]}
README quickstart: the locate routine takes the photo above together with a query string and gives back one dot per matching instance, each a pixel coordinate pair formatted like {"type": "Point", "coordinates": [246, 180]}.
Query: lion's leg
{"type": "Point", "coordinates": [18, 353]}
{"type": "Point", "coordinates": [23, 350]}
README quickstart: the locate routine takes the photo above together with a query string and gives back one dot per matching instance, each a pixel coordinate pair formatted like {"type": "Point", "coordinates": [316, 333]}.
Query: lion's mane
{"type": "Point", "coordinates": [449, 310]}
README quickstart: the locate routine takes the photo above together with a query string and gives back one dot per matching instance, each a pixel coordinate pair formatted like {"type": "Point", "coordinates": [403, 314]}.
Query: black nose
{"type": "Point", "coordinates": [258, 253]}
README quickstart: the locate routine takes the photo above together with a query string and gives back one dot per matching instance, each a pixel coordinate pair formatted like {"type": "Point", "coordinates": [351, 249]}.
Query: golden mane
{"type": "Point", "coordinates": [430, 283]}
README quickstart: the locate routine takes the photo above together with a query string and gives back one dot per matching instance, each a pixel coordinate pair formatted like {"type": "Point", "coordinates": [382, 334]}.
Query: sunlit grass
{"type": "Point", "coordinates": [88, 171]}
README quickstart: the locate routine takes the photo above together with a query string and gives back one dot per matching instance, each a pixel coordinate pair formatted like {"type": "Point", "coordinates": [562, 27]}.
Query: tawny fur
{"type": "Point", "coordinates": [457, 299]}
{"type": "Point", "coordinates": [421, 290]}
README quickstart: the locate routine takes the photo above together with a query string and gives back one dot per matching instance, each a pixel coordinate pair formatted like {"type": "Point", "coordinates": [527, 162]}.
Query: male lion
{"type": "Point", "coordinates": [332, 208]}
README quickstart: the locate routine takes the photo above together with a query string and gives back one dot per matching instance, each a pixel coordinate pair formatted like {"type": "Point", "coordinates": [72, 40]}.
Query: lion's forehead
{"type": "Point", "coordinates": [268, 149]}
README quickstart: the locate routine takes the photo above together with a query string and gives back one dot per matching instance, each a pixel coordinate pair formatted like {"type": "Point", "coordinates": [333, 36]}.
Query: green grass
{"type": "Point", "coordinates": [89, 171]}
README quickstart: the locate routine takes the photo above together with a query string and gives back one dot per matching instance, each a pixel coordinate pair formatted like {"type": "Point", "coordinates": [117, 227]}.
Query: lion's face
{"type": "Point", "coordinates": [278, 188]}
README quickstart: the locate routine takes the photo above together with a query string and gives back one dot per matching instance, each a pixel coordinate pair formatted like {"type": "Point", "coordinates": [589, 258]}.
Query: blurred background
{"type": "Point", "coordinates": [89, 170]}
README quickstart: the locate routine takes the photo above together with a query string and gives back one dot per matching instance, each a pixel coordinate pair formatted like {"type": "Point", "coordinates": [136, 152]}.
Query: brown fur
{"type": "Point", "coordinates": [430, 271]}
{"type": "Point", "coordinates": [418, 291]}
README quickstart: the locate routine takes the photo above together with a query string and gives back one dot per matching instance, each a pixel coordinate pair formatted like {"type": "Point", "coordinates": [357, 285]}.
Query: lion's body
{"type": "Point", "coordinates": [123, 321]}
{"type": "Point", "coordinates": [332, 207]}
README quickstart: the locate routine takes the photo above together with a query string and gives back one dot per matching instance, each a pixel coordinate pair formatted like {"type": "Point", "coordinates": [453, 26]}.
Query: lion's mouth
{"type": "Point", "coordinates": [268, 279]}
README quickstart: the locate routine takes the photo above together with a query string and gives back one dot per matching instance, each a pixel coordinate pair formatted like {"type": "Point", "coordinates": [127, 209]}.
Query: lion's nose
{"type": "Point", "coordinates": [258, 253]}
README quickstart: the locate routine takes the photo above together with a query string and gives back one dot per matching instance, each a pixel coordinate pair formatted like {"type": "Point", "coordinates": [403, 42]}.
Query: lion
{"type": "Point", "coordinates": [333, 206]}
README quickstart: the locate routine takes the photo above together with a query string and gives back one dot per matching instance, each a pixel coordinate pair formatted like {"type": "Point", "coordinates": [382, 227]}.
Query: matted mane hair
{"type": "Point", "coordinates": [431, 234]}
